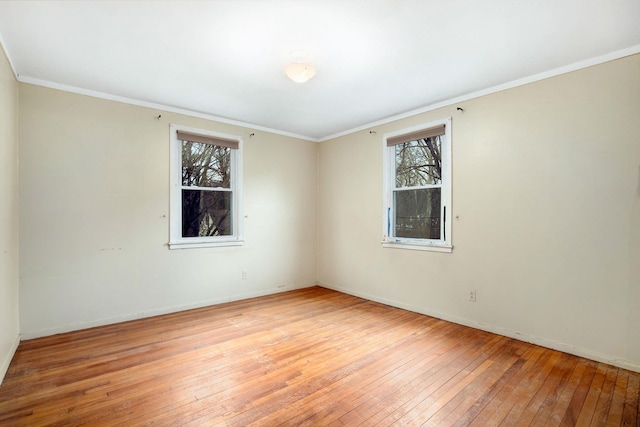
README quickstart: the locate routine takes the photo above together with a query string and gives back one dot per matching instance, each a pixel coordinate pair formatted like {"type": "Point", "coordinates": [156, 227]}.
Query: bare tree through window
{"type": "Point", "coordinates": [206, 206]}
{"type": "Point", "coordinates": [418, 190]}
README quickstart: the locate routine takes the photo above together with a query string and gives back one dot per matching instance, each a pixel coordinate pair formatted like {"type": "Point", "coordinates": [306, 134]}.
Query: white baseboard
{"type": "Point", "coordinates": [544, 342]}
{"type": "Point", "coordinates": [7, 360]}
{"type": "Point", "coordinates": [27, 335]}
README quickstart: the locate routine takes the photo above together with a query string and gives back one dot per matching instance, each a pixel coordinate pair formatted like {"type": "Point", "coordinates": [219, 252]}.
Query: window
{"type": "Point", "coordinates": [417, 187]}
{"type": "Point", "coordinates": [205, 188]}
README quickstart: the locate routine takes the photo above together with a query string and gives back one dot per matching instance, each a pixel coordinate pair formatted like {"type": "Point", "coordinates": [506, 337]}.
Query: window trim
{"type": "Point", "coordinates": [388, 167]}
{"type": "Point", "coordinates": [176, 240]}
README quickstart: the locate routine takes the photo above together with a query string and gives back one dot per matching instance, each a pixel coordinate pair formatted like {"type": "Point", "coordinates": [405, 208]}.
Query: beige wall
{"type": "Point", "coordinates": [94, 207]}
{"type": "Point", "coordinates": [546, 207]}
{"type": "Point", "coordinates": [8, 214]}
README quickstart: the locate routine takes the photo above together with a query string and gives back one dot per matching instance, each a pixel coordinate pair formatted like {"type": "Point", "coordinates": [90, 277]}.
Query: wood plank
{"type": "Point", "coordinates": [431, 384]}
{"type": "Point", "coordinates": [378, 394]}
{"type": "Point", "coordinates": [458, 407]}
{"type": "Point", "coordinates": [617, 402]}
{"type": "Point", "coordinates": [590, 402]}
{"type": "Point", "coordinates": [487, 397]}
{"type": "Point", "coordinates": [574, 409]}
{"type": "Point", "coordinates": [631, 408]}
{"type": "Point", "coordinates": [307, 357]}
{"type": "Point", "coordinates": [555, 415]}
{"type": "Point", "coordinates": [547, 394]}
{"type": "Point", "coordinates": [603, 406]}
{"type": "Point", "coordinates": [498, 407]}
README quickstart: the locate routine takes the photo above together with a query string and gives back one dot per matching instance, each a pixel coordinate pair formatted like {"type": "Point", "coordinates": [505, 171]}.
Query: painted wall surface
{"type": "Point", "coordinates": [94, 208]}
{"type": "Point", "coordinates": [9, 327]}
{"type": "Point", "coordinates": [546, 208]}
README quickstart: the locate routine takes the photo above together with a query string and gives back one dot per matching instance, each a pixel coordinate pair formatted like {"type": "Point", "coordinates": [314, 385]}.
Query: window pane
{"type": "Point", "coordinates": [205, 165]}
{"type": "Point", "coordinates": [418, 213]}
{"type": "Point", "coordinates": [419, 163]}
{"type": "Point", "coordinates": [206, 213]}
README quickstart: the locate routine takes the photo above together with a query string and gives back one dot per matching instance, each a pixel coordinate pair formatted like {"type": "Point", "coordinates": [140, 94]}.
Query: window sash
{"type": "Point", "coordinates": [217, 219]}
{"type": "Point", "coordinates": [393, 223]}
{"type": "Point", "coordinates": [418, 162]}
{"type": "Point", "coordinates": [232, 177]}
{"type": "Point", "coordinates": [205, 168]}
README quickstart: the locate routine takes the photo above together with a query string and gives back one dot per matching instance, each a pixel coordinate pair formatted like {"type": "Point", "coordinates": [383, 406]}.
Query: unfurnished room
{"type": "Point", "coordinates": [310, 213]}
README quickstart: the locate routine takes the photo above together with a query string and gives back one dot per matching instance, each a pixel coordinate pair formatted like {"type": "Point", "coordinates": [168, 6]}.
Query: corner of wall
{"type": "Point", "coordinates": [9, 276]}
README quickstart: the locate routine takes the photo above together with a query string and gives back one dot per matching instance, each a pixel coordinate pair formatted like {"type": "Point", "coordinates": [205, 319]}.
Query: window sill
{"type": "Point", "coordinates": [192, 245]}
{"type": "Point", "coordinates": [417, 246]}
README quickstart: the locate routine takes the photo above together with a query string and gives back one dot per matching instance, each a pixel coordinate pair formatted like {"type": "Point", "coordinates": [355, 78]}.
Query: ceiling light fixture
{"type": "Point", "coordinates": [299, 72]}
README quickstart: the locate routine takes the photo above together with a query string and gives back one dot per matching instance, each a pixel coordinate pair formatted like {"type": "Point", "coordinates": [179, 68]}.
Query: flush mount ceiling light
{"type": "Point", "coordinates": [299, 70]}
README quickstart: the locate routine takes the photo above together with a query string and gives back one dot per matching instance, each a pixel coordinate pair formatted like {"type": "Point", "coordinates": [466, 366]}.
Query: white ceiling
{"type": "Point", "coordinates": [374, 59]}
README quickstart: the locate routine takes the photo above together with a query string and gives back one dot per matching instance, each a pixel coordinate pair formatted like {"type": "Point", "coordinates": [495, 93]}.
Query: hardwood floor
{"type": "Point", "coordinates": [307, 358]}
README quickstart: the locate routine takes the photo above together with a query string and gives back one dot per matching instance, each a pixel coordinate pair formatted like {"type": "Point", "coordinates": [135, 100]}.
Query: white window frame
{"type": "Point", "coordinates": [176, 241]}
{"type": "Point", "coordinates": [389, 240]}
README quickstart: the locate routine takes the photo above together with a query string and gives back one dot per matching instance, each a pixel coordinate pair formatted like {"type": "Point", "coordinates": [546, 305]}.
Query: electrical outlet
{"type": "Point", "coordinates": [244, 275]}
{"type": "Point", "coordinates": [472, 295]}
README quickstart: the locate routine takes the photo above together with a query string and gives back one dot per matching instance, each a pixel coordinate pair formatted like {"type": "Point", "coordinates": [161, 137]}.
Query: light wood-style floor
{"type": "Point", "coordinates": [307, 357]}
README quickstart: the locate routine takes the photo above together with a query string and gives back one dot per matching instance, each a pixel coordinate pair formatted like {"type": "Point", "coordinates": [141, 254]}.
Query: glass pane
{"type": "Point", "coordinates": [205, 165]}
{"type": "Point", "coordinates": [419, 163]}
{"type": "Point", "coordinates": [418, 213]}
{"type": "Point", "coordinates": [206, 213]}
